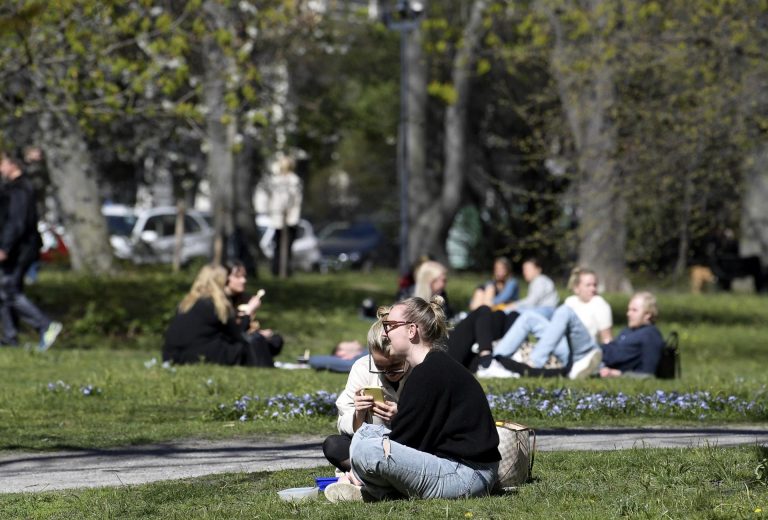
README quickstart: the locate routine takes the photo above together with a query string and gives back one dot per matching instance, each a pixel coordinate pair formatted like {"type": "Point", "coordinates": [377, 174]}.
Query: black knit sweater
{"type": "Point", "coordinates": [443, 410]}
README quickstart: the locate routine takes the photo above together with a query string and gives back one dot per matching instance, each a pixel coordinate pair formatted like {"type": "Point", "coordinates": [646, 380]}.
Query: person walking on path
{"type": "Point", "coordinates": [20, 244]}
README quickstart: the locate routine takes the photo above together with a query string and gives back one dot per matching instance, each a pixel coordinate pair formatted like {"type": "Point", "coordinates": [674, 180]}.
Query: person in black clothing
{"type": "Point", "coordinates": [205, 327]}
{"type": "Point", "coordinates": [266, 342]}
{"type": "Point", "coordinates": [482, 327]}
{"type": "Point", "coordinates": [20, 244]}
{"type": "Point", "coordinates": [443, 442]}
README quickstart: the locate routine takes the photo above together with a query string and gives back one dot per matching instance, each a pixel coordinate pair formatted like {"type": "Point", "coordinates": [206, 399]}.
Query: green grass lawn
{"type": "Point", "coordinates": [639, 483]}
{"type": "Point", "coordinates": [99, 387]}
{"type": "Point", "coordinates": [46, 404]}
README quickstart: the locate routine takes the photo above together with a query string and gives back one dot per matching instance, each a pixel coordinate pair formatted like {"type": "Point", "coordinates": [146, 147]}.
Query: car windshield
{"type": "Point", "coordinates": [120, 225]}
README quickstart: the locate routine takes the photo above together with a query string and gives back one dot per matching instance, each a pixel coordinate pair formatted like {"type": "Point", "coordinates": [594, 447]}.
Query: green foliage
{"type": "Point", "coordinates": [443, 91]}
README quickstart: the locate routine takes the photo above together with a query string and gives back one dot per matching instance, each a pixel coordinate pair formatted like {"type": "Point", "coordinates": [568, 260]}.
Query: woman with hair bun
{"type": "Point", "coordinates": [443, 441]}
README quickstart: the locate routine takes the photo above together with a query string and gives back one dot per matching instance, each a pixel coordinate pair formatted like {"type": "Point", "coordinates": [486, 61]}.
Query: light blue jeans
{"type": "Point", "coordinates": [564, 335]}
{"type": "Point", "coordinates": [413, 473]}
{"type": "Point", "coordinates": [544, 311]}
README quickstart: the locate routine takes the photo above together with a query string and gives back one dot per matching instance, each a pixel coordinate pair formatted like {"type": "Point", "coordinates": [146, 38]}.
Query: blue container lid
{"type": "Point", "coordinates": [323, 482]}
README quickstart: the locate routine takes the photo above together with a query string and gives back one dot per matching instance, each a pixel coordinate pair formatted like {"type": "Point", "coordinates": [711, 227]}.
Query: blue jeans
{"type": "Point", "coordinates": [15, 301]}
{"type": "Point", "coordinates": [413, 473]}
{"type": "Point", "coordinates": [564, 336]}
{"type": "Point", "coordinates": [544, 311]}
{"type": "Point", "coordinates": [333, 363]}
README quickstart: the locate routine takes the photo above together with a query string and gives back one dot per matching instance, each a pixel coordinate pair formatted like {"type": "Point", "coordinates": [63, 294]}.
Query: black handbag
{"type": "Point", "coordinates": [669, 364]}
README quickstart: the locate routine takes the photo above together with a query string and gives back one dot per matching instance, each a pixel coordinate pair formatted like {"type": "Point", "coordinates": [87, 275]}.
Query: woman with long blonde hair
{"type": "Point", "coordinates": [205, 327]}
{"type": "Point", "coordinates": [431, 280]}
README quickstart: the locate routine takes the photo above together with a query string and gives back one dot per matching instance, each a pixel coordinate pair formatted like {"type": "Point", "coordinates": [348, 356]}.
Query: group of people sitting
{"type": "Point", "coordinates": [428, 431]}
{"type": "Point", "coordinates": [215, 322]}
{"type": "Point", "coordinates": [572, 340]}
{"type": "Point", "coordinates": [431, 434]}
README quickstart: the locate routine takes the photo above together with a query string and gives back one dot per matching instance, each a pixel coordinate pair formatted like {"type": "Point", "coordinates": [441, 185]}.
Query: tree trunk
{"type": "Point", "coordinates": [245, 214]}
{"type": "Point", "coordinates": [587, 99]}
{"type": "Point", "coordinates": [754, 213]}
{"type": "Point", "coordinates": [220, 129]}
{"type": "Point", "coordinates": [432, 218]}
{"type": "Point", "coordinates": [422, 190]}
{"type": "Point", "coordinates": [74, 177]}
{"type": "Point", "coordinates": [181, 209]}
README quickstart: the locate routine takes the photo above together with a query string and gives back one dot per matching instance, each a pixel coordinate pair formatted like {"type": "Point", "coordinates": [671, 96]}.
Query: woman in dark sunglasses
{"type": "Point", "coordinates": [377, 369]}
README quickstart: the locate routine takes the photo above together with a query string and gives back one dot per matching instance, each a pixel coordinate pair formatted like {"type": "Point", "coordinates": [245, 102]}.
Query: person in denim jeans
{"type": "Point", "coordinates": [572, 334]}
{"type": "Point", "coordinates": [443, 441]}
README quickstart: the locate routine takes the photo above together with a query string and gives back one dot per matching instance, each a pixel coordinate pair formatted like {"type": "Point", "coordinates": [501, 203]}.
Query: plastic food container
{"type": "Point", "coordinates": [324, 482]}
{"type": "Point", "coordinates": [297, 494]}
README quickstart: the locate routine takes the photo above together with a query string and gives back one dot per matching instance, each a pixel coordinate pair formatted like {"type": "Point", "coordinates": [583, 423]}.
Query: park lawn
{"type": "Point", "coordinates": [707, 482]}
{"type": "Point", "coordinates": [104, 385]}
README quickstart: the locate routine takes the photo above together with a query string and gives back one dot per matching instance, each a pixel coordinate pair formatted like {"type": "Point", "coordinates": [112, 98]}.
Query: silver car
{"type": "Point", "coordinates": [149, 235]}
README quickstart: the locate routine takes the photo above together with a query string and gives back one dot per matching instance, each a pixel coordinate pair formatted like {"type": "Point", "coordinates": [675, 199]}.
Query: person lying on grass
{"type": "Point", "coordinates": [443, 442]}
{"type": "Point", "coordinates": [635, 352]}
{"type": "Point", "coordinates": [380, 370]}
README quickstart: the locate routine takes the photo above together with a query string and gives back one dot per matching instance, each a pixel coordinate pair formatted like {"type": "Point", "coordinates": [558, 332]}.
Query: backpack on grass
{"type": "Point", "coordinates": [517, 445]}
{"type": "Point", "coordinates": [669, 364]}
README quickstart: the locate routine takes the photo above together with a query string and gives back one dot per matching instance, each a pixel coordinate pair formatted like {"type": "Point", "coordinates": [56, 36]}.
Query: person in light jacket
{"type": "Point", "coordinates": [377, 369]}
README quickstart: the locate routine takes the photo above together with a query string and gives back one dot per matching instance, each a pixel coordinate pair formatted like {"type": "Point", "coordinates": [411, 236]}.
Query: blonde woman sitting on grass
{"type": "Point", "coordinates": [205, 327]}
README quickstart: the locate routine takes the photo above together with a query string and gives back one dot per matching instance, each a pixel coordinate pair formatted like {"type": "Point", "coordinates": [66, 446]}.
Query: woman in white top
{"type": "Point", "coordinates": [591, 308]}
{"type": "Point", "coordinates": [377, 369]}
{"type": "Point", "coordinates": [572, 335]}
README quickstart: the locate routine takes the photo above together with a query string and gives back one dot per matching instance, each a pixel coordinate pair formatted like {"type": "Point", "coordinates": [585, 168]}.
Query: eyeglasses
{"type": "Point", "coordinates": [389, 372]}
{"type": "Point", "coordinates": [389, 326]}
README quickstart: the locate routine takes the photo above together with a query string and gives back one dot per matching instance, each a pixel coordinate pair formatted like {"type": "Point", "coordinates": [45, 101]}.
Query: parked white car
{"type": "Point", "coordinates": [304, 251]}
{"type": "Point", "coordinates": [148, 235]}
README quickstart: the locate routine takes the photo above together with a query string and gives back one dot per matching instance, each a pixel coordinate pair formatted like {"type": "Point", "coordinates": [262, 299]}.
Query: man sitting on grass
{"type": "Point", "coordinates": [635, 352]}
{"type": "Point", "coordinates": [637, 349]}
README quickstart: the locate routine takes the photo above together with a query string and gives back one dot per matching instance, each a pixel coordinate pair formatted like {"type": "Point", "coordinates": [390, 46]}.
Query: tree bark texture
{"type": "Point", "coordinates": [433, 215]}
{"type": "Point", "coordinates": [74, 176]}
{"type": "Point", "coordinates": [587, 99]}
{"type": "Point", "coordinates": [422, 184]}
{"type": "Point", "coordinates": [245, 214]}
{"type": "Point", "coordinates": [220, 127]}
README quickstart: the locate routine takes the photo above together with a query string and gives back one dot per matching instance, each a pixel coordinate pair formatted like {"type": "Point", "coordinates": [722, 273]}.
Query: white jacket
{"type": "Point", "coordinates": [360, 377]}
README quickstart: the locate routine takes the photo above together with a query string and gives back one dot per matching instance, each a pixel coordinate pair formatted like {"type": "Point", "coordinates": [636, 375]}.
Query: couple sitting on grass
{"type": "Point", "coordinates": [215, 322]}
{"type": "Point", "coordinates": [433, 436]}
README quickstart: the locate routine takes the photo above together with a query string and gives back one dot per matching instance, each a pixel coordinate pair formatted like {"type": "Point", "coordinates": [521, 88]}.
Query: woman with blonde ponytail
{"type": "Point", "coordinates": [443, 441]}
{"type": "Point", "coordinates": [205, 326]}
